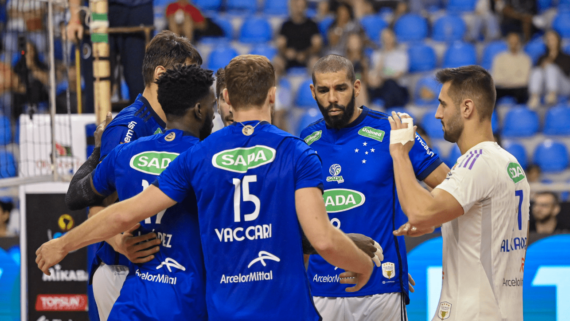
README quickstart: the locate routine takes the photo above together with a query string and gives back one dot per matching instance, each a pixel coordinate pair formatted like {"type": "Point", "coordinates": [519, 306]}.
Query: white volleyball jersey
{"type": "Point", "coordinates": [484, 249]}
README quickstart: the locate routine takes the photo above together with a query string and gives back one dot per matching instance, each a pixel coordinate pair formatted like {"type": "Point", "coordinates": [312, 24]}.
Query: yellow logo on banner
{"type": "Point", "coordinates": [65, 222]}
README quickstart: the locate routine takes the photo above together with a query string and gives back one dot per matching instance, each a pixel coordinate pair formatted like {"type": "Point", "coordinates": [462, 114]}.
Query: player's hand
{"type": "Point", "coordinates": [74, 31]}
{"type": "Point", "coordinates": [411, 283]}
{"type": "Point", "coordinates": [395, 124]}
{"type": "Point", "coordinates": [138, 249]}
{"type": "Point", "coordinates": [101, 128]}
{"type": "Point", "coordinates": [368, 246]}
{"type": "Point", "coordinates": [413, 231]}
{"type": "Point", "coordinates": [49, 254]}
{"type": "Point", "coordinates": [359, 279]}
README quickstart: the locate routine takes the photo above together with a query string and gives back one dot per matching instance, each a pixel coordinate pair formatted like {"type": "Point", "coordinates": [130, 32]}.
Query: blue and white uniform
{"type": "Point", "coordinates": [360, 197]}
{"type": "Point", "coordinates": [172, 285]}
{"type": "Point", "coordinates": [245, 187]}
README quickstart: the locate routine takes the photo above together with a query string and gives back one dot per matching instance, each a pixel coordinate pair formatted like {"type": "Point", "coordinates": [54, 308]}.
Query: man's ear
{"type": "Point", "coordinates": [467, 108]}
{"type": "Point", "coordinates": [271, 95]}
{"type": "Point", "coordinates": [158, 71]}
{"type": "Point", "coordinates": [313, 92]}
{"type": "Point", "coordinates": [198, 112]}
{"type": "Point", "coordinates": [226, 96]}
{"type": "Point", "coordinates": [556, 210]}
{"type": "Point", "coordinates": [357, 87]}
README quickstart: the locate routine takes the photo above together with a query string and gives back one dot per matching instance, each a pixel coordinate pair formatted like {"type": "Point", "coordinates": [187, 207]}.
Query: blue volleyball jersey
{"type": "Point", "coordinates": [360, 197]}
{"type": "Point", "coordinates": [135, 121]}
{"type": "Point", "coordinates": [171, 286]}
{"type": "Point", "coordinates": [245, 187]}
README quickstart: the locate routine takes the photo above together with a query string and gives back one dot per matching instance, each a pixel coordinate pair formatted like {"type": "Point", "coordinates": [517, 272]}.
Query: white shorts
{"type": "Point", "coordinates": [107, 284]}
{"type": "Point", "coordinates": [377, 307]}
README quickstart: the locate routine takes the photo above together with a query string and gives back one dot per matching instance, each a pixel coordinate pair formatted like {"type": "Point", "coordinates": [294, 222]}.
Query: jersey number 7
{"type": "Point", "coordinates": [160, 214]}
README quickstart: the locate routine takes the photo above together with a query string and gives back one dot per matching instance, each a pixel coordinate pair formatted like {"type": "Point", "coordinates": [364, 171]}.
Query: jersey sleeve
{"type": "Point", "coordinates": [103, 176]}
{"type": "Point", "coordinates": [469, 182]}
{"type": "Point", "coordinates": [424, 159]}
{"type": "Point", "coordinates": [126, 131]}
{"type": "Point", "coordinates": [175, 181]}
{"type": "Point", "coordinates": [308, 167]}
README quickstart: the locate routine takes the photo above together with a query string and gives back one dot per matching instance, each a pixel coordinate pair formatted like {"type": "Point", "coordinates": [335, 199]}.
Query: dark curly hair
{"type": "Point", "coordinates": [180, 88]}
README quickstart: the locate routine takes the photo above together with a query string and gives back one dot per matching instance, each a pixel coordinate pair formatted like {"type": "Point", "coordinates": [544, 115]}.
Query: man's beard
{"type": "Point", "coordinates": [453, 130]}
{"type": "Point", "coordinates": [339, 121]}
{"type": "Point", "coordinates": [206, 129]}
{"type": "Point", "coordinates": [544, 219]}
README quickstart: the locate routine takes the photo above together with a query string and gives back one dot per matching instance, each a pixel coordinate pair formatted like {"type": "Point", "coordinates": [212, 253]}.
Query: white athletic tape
{"type": "Point", "coordinates": [403, 135]}
{"type": "Point", "coordinates": [379, 254]}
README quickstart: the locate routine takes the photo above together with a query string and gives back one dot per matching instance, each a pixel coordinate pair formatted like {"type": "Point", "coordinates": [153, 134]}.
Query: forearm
{"type": "Point", "coordinates": [80, 193]}
{"type": "Point", "coordinates": [343, 253]}
{"type": "Point", "coordinates": [102, 226]}
{"type": "Point", "coordinates": [74, 9]}
{"type": "Point", "coordinates": [416, 201]}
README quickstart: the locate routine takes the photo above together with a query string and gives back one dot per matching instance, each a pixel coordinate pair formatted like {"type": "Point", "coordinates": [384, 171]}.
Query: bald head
{"type": "Point", "coordinates": [334, 63]}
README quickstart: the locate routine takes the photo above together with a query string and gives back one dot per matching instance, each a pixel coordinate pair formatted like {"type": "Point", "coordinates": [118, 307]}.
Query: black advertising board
{"type": "Point", "coordinates": [63, 295]}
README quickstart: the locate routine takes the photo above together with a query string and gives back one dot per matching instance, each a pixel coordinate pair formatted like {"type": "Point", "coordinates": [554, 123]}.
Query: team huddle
{"type": "Point", "coordinates": [221, 226]}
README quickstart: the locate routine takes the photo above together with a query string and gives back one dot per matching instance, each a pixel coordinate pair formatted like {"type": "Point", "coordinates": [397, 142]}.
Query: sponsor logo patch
{"type": "Point", "coordinates": [334, 170]}
{"type": "Point", "coordinates": [340, 199]}
{"type": "Point", "coordinates": [61, 302]}
{"type": "Point", "coordinates": [388, 270]}
{"type": "Point", "coordinates": [240, 160]}
{"type": "Point", "coordinates": [516, 172]}
{"type": "Point", "coordinates": [444, 310]}
{"type": "Point", "coordinates": [152, 162]}
{"type": "Point", "coordinates": [313, 137]}
{"type": "Point", "coordinates": [373, 133]}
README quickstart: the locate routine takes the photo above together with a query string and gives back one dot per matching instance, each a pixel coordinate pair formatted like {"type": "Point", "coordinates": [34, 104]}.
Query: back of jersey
{"type": "Point", "coordinates": [245, 187]}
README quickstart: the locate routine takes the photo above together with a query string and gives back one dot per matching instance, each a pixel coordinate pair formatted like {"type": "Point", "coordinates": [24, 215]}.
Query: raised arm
{"type": "Point", "coordinates": [335, 247]}
{"type": "Point", "coordinates": [107, 223]}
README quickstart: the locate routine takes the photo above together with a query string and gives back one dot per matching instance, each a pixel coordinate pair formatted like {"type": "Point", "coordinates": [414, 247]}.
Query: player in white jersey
{"type": "Point", "coordinates": [483, 203]}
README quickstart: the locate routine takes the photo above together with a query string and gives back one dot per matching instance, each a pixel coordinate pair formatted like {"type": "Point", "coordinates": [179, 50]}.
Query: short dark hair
{"type": "Point", "coordinates": [554, 196]}
{"type": "Point", "coordinates": [248, 80]}
{"type": "Point", "coordinates": [167, 49]}
{"type": "Point", "coordinates": [220, 82]}
{"type": "Point", "coordinates": [180, 88]}
{"type": "Point", "coordinates": [334, 63]}
{"type": "Point", "coordinates": [7, 206]}
{"type": "Point", "coordinates": [473, 82]}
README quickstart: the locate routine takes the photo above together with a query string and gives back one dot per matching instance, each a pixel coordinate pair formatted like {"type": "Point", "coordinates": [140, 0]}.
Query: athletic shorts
{"type": "Point", "coordinates": [379, 307]}
{"type": "Point", "coordinates": [107, 284]}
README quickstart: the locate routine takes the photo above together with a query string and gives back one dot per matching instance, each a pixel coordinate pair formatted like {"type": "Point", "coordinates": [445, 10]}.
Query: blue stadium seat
{"type": "Point", "coordinates": [461, 6]}
{"type": "Point", "coordinates": [432, 125]}
{"type": "Point", "coordinates": [241, 6]}
{"type": "Point", "coordinates": [5, 131]}
{"type": "Point", "coordinates": [208, 5]}
{"type": "Point", "coordinates": [454, 154]}
{"type": "Point", "coordinates": [491, 50]}
{"type": "Point", "coordinates": [557, 121]}
{"type": "Point", "coordinates": [495, 122]}
{"type": "Point", "coordinates": [373, 26]}
{"type": "Point", "coordinates": [304, 97]}
{"type": "Point", "coordinates": [449, 28]}
{"type": "Point", "coordinates": [460, 54]}
{"type": "Point", "coordinates": [411, 27]}
{"type": "Point", "coordinates": [543, 5]}
{"type": "Point", "coordinates": [276, 7]}
{"type": "Point", "coordinates": [562, 24]}
{"type": "Point", "coordinates": [324, 26]}
{"type": "Point", "coordinates": [551, 156]}
{"type": "Point", "coordinates": [309, 117]}
{"type": "Point", "coordinates": [226, 26]}
{"type": "Point", "coordinates": [220, 57]}
{"type": "Point", "coordinates": [422, 58]}
{"type": "Point", "coordinates": [255, 30]}
{"type": "Point", "coordinates": [518, 151]}
{"type": "Point", "coordinates": [520, 122]}
{"type": "Point", "coordinates": [426, 87]}
{"type": "Point", "coordinates": [535, 48]}
{"type": "Point", "coordinates": [264, 50]}
{"type": "Point", "coordinates": [7, 164]}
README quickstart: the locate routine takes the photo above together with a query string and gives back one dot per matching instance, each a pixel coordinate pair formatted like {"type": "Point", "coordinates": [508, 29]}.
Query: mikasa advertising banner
{"type": "Point", "coordinates": [63, 294]}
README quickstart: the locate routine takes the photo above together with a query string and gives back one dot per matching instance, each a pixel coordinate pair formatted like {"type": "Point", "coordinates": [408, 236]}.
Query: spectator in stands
{"type": "Point", "coordinates": [484, 18]}
{"type": "Point", "coordinates": [533, 173]}
{"type": "Point", "coordinates": [511, 70]}
{"type": "Point", "coordinates": [183, 18]}
{"type": "Point", "coordinates": [545, 210]}
{"type": "Point", "coordinates": [551, 74]}
{"type": "Point", "coordinates": [388, 67]}
{"type": "Point", "coordinates": [299, 38]}
{"type": "Point", "coordinates": [5, 210]}
{"type": "Point", "coordinates": [517, 17]}
{"type": "Point", "coordinates": [34, 80]}
{"type": "Point", "coordinates": [355, 53]}
{"type": "Point", "coordinates": [343, 25]}
{"type": "Point", "coordinates": [25, 16]}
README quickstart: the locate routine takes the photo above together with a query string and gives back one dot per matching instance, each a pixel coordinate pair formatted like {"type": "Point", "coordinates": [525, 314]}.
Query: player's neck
{"type": "Point", "coordinates": [474, 134]}
{"type": "Point", "coordinates": [151, 94]}
{"type": "Point", "coordinates": [252, 113]}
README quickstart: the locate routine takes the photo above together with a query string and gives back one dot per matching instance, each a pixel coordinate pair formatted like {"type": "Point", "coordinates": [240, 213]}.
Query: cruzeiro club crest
{"type": "Point", "coordinates": [334, 170]}
{"type": "Point", "coordinates": [444, 310]}
{"type": "Point", "coordinates": [388, 270]}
